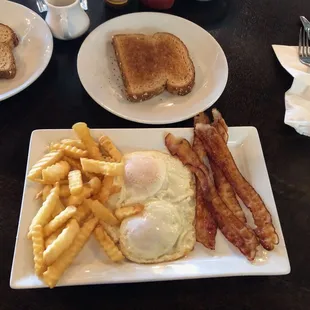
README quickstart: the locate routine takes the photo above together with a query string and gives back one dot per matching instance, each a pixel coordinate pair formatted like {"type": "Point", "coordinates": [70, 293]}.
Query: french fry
{"type": "Point", "coordinates": [63, 242]}
{"type": "Point", "coordinates": [83, 133]}
{"type": "Point", "coordinates": [106, 188]}
{"type": "Point", "coordinates": [74, 163]}
{"type": "Point", "coordinates": [54, 272]}
{"type": "Point", "coordinates": [115, 189]}
{"type": "Point", "coordinates": [95, 184]}
{"type": "Point", "coordinates": [56, 172]}
{"type": "Point", "coordinates": [46, 191]}
{"type": "Point", "coordinates": [108, 158]}
{"type": "Point", "coordinates": [64, 191]}
{"type": "Point", "coordinates": [53, 237]}
{"type": "Point", "coordinates": [102, 167]}
{"type": "Point", "coordinates": [75, 182]}
{"type": "Point", "coordinates": [70, 151]}
{"type": "Point", "coordinates": [59, 220]}
{"type": "Point", "coordinates": [110, 148]}
{"type": "Point", "coordinates": [123, 212]}
{"type": "Point", "coordinates": [38, 248]}
{"type": "Point", "coordinates": [77, 143]}
{"type": "Point", "coordinates": [44, 182]}
{"type": "Point", "coordinates": [101, 212]}
{"type": "Point", "coordinates": [78, 199]}
{"type": "Point", "coordinates": [47, 160]}
{"type": "Point", "coordinates": [112, 231]}
{"type": "Point", "coordinates": [82, 213]}
{"type": "Point", "coordinates": [108, 245]}
{"type": "Point", "coordinates": [59, 207]}
{"type": "Point", "coordinates": [45, 212]}
{"type": "Point", "coordinates": [39, 195]}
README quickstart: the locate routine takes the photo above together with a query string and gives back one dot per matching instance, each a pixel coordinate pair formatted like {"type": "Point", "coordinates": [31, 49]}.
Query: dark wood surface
{"type": "Point", "coordinates": [254, 96]}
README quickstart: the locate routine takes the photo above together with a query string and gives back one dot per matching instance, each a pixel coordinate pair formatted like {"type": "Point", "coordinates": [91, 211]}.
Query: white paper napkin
{"type": "Point", "coordinates": [297, 98]}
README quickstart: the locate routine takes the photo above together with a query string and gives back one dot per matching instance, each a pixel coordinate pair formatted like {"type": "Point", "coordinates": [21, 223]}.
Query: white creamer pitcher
{"type": "Point", "coordinates": [66, 19]}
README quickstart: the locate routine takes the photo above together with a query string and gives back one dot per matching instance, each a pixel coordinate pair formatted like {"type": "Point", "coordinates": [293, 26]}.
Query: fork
{"type": "Point", "coordinates": [306, 24]}
{"type": "Point", "coordinates": [303, 49]}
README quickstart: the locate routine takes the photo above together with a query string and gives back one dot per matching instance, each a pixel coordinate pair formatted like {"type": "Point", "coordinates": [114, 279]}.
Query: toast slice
{"type": "Point", "coordinates": [7, 62]}
{"type": "Point", "coordinates": [149, 64]}
{"type": "Point", "coordinates": [8, 36]}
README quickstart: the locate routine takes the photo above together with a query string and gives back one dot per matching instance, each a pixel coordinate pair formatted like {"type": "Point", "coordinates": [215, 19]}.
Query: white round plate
{"type": "Point", "coordinates": [34, 50]}
{"type": "Point", "coordinates": [100, 76]}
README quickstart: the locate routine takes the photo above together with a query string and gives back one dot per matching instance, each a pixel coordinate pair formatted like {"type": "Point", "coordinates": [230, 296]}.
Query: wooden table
{"type": "Point", "coordinates": [254, 96]}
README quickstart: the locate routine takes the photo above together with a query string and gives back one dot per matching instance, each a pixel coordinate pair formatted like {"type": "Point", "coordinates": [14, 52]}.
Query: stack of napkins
{"type": "Point", "coordinates": [297, 98]}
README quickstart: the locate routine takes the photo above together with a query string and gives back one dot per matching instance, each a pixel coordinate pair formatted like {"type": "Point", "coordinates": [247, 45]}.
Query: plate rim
{"type": "Point", "coordinates": [248, 129]}
{"type": "Point", "coordinates": [38, 73]}
{"type": "Point", "coordinates": [149, 121]}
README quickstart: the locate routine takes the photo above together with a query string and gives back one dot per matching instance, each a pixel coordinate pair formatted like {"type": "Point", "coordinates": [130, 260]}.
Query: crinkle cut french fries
{"type": "Point", "coordinates": [77, 179]}
{"type": "Point", "coordinates": [127, 211]}
{"type": "Point", "coordinates": [108, 244]}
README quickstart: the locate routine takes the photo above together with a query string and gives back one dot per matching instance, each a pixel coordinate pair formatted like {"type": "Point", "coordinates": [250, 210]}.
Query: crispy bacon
{"type": "Point", "coordinates": [206, 227]}
{"type": "Point", "coordinates": [221, 155]}
{"type": "Point", "coordinates": [219, 124]}
{"type": "Point", "coordinates": [233, 229]}
{"type": "Point", "coordinates": [226, 192]}
{"type": "Point", "coordinates": [224, 189]}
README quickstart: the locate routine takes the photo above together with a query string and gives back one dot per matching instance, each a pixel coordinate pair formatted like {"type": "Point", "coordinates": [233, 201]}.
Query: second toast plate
{"type": "Point", "coordinates": [100, 75]}
{"type": "Point", "coordinates": [34, 50]}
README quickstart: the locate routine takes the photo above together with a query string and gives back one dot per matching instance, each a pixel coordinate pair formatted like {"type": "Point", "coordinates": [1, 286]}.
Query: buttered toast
{"type": "Point", "coordinates": [149, 64]}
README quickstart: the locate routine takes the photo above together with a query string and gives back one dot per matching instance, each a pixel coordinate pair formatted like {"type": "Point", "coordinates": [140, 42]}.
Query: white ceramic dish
{"type": "Point", "coordinates": [100, 76]}
{"type": "Point", "coordinates": [92, 266]}
{"type": "Point", "coordinates": [34, 50]}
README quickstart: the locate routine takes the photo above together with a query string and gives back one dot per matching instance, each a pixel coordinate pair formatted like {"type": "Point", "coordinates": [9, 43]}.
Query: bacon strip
{"type": "Point", "coordinates": [221, 155]}
{"type": "Point", "coordinates": [205, 225]}
{"type": "Point", "coordinates": [232, 228]}
{"type": "Point", "coordinates": [224, 189]}
{"type": "Point", "coordinates": [220, 124]}
{"type": "Point", "coordinates": [226, 192]}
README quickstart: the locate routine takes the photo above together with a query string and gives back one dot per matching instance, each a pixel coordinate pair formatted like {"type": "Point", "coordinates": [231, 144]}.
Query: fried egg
{"type": "Point", "coordinates": [164, 231]}
{"type": "Point", "coordinates": [145, 175]}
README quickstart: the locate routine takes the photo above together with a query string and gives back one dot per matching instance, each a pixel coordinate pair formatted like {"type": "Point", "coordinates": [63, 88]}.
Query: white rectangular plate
{"type": "Point", "coordinates": [93, 267]}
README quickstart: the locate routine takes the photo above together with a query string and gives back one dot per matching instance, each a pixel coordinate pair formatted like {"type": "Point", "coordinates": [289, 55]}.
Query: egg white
{"type": "Point", "coordinates": [164, 231]}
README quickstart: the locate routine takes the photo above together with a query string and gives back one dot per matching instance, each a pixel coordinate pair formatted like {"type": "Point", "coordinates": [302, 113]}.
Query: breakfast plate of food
{"type": "Point", "coordinates": [152, 68]}
{"type": "Point", "coordinates": [129, 205]}
{"type": "Point", "coordinates": [26, 46]}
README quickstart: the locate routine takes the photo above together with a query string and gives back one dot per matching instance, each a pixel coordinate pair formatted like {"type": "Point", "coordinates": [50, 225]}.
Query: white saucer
{"type": "Point", "coordinates": [34, 50]}
{"type": "Point", "coordinates": [100, 76]}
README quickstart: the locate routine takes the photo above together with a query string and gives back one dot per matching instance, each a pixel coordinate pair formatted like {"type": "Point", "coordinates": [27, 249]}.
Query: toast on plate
{"type": "Point", "coordinates": [8, 36]}
{"type": "Point", "coordinates": [7, 62]}
{"type": "Point", "coordinates": [149, 64]}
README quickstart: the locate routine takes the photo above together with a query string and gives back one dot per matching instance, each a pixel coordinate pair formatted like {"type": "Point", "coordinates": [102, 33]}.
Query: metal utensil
{"type": "Point", "coordinates": [305, 23]}
{"type": "Point", "coordinates": [303, 49]}
{"type": "Point", "coordinates": [42, 7]}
